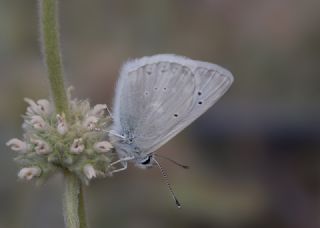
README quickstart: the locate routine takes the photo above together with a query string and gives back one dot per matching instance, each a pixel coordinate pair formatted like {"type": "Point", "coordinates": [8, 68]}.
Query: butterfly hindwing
{"type": "Point", "coordinates": [158, 96]}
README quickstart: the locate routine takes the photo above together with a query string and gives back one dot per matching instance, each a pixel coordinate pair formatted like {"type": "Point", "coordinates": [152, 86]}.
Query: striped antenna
{"type": "Point", "coordinates": [165, 177]}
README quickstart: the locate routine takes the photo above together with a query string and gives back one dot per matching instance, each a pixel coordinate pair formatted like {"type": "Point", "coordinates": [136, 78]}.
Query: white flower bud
{"type": "Point", "coordinates": [29, 111]}
{"type": "Point", "coordinates": [17, 145]}
{"type": "Point", "coordinates": [42, 107]}
{"type": "Point", "coordinates": [98, 110]}
{"type": "Point", "coordinates": [33, 107]}
{"type": "Point", "coordinates": [29, 173]}
{"type": "Point", "coordinates": [89, 171]}
{"type": "Point", "coordinates": [102, 147]}
{"type": "Point", "coordinates": [77, 146]}
{"type": "Point", "coordinates": [62, 126]}
{"type": "Point", "coordinates": [90, 122]}
{"type": "Point", "coordinates": [38, 123]}
{"type": "Point", "coordinates": [41, 147]}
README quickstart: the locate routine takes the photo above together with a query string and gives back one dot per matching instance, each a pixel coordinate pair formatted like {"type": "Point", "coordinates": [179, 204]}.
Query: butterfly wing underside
{"type": "Point", "coordinates": [158, 96]}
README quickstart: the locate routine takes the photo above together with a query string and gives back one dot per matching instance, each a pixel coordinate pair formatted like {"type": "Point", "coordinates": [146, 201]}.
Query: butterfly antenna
{"type": "Point", "coordinates": [173, 161]}
{"type": "Point", "coordinates": [165, 177]}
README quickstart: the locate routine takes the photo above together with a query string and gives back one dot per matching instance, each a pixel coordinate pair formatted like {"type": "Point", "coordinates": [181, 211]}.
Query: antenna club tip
{"type": "Point", "coordinates": [178, 204]}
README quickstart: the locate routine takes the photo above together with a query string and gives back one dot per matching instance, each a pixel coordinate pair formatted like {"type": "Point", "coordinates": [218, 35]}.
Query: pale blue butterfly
{"type": "Point", "coordinates": [156, 98]}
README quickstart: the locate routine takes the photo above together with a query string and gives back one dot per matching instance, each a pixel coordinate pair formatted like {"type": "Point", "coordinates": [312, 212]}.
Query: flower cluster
{"type": "Point", "coordinates": [52, 141]}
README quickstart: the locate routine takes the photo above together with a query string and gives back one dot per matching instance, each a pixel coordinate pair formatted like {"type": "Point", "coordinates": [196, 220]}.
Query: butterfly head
{"type": "Point", "coordinates": [125, 147]}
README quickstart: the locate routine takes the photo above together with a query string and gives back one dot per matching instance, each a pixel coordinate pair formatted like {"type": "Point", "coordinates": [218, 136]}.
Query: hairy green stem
{"type": "Point", "coordinates": [82, 212]}
{"type": "Point", "coordinates": [52, 55]}
{"type": "Point", "coordinates": [73, 202]}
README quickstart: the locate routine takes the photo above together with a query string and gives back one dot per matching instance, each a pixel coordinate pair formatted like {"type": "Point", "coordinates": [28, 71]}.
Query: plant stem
{"type": "Point", "coordinates": [52, 55]}
{"type": "Point", "coordinates": [82, 212]}
{"type": "Point", "coordinates": [73, 202]}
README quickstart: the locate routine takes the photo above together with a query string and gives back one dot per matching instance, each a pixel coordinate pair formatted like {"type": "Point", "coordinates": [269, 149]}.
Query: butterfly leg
{"type": "Point", "coordinates": [125, 166]}
{"type": "Point", "coordinates": [108, 110]}
{"type": "Point", "coordinates": [123, 162]}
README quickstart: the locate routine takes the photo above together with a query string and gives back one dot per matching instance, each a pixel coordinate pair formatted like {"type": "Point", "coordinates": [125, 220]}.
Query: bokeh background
{"type": "Point", "coordinates": [254, 157]}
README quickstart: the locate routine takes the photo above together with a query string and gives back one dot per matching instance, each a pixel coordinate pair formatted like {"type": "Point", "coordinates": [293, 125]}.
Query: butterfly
{"type": "Point", "coordinates": [157, 97]}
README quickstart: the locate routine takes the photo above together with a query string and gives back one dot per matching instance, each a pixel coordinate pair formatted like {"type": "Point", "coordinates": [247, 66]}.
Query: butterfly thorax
{"type": "Point", "coordinates": [126, 148]}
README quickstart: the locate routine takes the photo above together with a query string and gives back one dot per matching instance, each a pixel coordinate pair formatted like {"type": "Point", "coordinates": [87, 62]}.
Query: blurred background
{"type": "Point", "coordinates": [254, 157]}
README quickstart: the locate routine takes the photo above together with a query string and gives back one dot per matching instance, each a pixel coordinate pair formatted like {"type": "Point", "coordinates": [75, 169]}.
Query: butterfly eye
{"type": "Point", "coordinates": [146, 161]}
